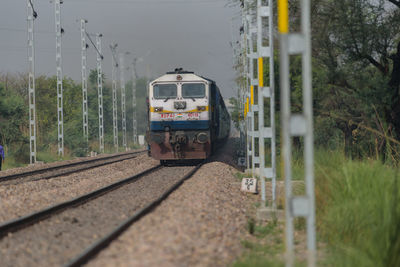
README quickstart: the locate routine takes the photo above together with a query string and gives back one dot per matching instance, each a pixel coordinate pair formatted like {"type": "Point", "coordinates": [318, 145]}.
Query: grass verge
{"type": "Point", "coordinates": [265, 247]}
{"type": "Point", "coordinates": [358, 217]}
{"type": "Point", "coordinates": [358, 211]}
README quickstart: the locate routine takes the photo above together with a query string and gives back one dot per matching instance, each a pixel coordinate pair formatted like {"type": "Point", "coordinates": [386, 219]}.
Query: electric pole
{"type": "Point", "coordinates": [297, 125]}
{"type": "Point", "coordinates": [266, 91]}
{"type": "Point", "coordinates": [31, 85]}
{"type": "Point", "coordinates": [84, 83]}
{"type": "Point", "coordinates": [100, 92]}
{"type": "Point", "coordinates": [114, 60]}
{"type": "Point", "coordinates": [59, 31]}
{"type": "Point", "coordinates": [135, 138]}
{"type": "Point", "coordinates": [123, 107]}
{"type": "Point", "coordinates": [251, 82]}
{"type": "Point", "coordinates": [100, 57]}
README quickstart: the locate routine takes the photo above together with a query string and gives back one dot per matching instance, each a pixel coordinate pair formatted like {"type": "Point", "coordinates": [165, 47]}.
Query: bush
{"type": "Point", "coordinates": [21, 154]}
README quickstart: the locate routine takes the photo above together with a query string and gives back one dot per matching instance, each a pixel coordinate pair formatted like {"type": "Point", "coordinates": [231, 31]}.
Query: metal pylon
{"type": "Point", "coordinates": [60, 115]}
{"type": "Point", "coordinates": [100, 92]}
{"type": "Point", "coordinates": [266, 91]}
{"type": "Point", "coordinates": [114, 60]}
{"type": "Point", "coordinates": [297, 125]}
{"type": "Point", "coordinates": [243, 84]}
{"type": "Point", "coordinates": [252, 83]}
{"type": "Point", "coordinates": [134, 118]}
{"type": "Point", "coordinates": [123, 100]}
{"type": "Point", "coordinates": [248, 115]}
{"type": "Point", "coordinates": [85, 114]}
{"type": "Point", "coordinates": [31, 84]}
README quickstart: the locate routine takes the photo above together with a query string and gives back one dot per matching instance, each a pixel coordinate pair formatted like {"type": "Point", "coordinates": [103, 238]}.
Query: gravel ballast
{"type": "Point", "coordinates": [40, 166]}
{"type": "Point", "coordinates": [63, 170]}
{"type": "Point", "coordinates": [22, 199]}
{"type": "Point", "coordinates": [56, 240]}
{"type": "Point", "coordinates": [200, 224]}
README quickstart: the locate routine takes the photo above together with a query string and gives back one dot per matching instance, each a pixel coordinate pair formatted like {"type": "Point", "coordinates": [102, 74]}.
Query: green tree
{"type": "Point", "coordinates": [357, 41]}
{"type": "Point", "coordinates": [236, 113]}
{"type": "Point", "coordinates": [13, 117]}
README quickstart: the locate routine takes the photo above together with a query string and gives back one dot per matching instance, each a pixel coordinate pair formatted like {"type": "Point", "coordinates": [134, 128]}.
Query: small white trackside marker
{"type": "Point", "coordinates": [141, 140]}
{"type": "Point", "coordinates": [249, 185]}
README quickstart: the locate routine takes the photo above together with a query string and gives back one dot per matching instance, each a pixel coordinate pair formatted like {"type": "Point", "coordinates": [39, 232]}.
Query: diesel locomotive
{"type": "Point", "coordinates": [187, 117]}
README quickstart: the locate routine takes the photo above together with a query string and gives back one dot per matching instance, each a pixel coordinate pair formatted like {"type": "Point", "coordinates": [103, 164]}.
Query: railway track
{"type": "Point", "coordinates": [66, 169]}
{"type": "Point", "coordinates": [88, 223]}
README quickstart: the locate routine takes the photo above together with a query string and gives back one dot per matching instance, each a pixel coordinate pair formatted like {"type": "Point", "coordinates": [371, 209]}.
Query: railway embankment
{"type": "Point", "coordinates": [201, 224]}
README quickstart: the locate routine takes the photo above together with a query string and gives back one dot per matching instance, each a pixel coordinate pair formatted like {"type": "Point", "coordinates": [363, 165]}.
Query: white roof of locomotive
{"type": "Point", "coordinates": [186, 77]}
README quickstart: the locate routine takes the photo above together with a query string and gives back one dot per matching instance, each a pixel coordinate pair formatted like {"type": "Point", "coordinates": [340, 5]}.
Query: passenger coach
{"type": "Point", "coordinates": [187, 117]}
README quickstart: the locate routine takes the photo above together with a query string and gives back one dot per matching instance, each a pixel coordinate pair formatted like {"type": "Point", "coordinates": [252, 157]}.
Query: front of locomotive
{"type": "Point", "coordinates": [179, 119]}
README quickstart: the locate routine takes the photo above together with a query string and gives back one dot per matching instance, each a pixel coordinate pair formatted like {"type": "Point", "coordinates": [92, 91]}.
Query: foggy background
{"type": "Point", "coordinates": [192, 34]}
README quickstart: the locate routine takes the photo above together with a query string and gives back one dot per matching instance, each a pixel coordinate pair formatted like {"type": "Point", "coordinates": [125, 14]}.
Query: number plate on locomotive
{"type": "Point", "coordinates": [180, 116]}
{"type": "Point", "coordinates": [167, 116]}
{"type": "Point", "coordinates": [193, 116]}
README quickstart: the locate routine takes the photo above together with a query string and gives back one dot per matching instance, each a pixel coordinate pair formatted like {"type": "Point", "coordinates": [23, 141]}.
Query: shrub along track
{"type": "Point", "coordinates": [66, 169]}
{"type": "Point", "coordinates": [67, 229]}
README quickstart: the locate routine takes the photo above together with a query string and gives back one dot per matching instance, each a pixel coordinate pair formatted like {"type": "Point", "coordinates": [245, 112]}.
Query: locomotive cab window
{"type": "Point", "coordinates": [193, 90]}
{"type": "Point", "coordinates": [165, 91]}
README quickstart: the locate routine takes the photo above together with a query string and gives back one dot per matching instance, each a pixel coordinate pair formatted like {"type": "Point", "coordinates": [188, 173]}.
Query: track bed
{"type": "Point", "coordinates": [61, 237]}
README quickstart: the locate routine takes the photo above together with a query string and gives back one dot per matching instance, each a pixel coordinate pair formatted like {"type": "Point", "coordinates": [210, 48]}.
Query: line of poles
{"type": "Point", "coordinates": [32, 15]}
{"type": "Point", "coordinates": [258, 50]}
{"type": "Point", "coordinates": [254, 59]}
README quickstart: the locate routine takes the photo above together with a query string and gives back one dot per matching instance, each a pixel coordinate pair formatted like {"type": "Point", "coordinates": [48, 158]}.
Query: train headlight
{"type": "Point", "coordinates": [158, 109]}
{"type": "Point", "coordinates": [201, 108]}
{"type": "Point", "coordinates": [202, 138]}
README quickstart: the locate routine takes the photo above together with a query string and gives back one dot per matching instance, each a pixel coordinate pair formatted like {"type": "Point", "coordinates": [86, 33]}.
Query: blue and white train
{"type": "Point", "coordinates": [187, 117]}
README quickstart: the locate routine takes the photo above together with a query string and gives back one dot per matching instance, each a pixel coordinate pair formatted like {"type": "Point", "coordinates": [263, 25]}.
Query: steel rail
{"type": "Point", "coordinates": [40, 171]}
{"type": "Point", "coordinates": [15, 225]}
{"type": "Point", "coordinates": [95, 248]}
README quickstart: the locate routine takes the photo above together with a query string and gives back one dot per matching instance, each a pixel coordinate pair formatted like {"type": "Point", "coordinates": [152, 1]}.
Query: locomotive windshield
{"type": "Point", "coordinates": [193, 90]}
{"type": "Point", "coordinates": [165, 91]}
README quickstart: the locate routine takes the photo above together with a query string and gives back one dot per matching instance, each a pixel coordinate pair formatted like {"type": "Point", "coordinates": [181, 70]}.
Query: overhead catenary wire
{"type": "Point", "coordinates": [23, 30]}
{"type": "Point", "coordinates": [95, 47]}
{"type": "Point", "coordinates": [106, 34]}
{"type": "Point", "coordinates": [13, 47]}
{"type": "Point", "coordinates": [142, 2]}
{"type": "Point", "coordinates": [113, 48]}
{"type": "Point", "coordinates": [12, 29]}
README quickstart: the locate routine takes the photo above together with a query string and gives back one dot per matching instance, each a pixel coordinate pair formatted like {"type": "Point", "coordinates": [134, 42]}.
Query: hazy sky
{"type": "Point", "coordinates": [193, 34]}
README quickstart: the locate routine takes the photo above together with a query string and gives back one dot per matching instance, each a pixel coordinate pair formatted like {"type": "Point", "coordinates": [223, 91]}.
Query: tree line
{"type": "Point", "coordinates": [14, 124]}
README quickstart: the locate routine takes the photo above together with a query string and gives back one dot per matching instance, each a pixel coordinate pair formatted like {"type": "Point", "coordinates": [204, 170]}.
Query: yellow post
{"type": "Point", "coordinates": [246, 108]}
{"type": "Point", "coordinates": [252, 95]}
{"type": "Point", "coordinates": [283, 16]}
{"type": "Point", "coordinates": [260, 72]}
